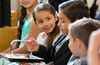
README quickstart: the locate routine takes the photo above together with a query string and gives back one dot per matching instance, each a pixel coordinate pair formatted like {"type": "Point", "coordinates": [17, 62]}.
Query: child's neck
{"type": "Point", "coordinates": [84, 54]}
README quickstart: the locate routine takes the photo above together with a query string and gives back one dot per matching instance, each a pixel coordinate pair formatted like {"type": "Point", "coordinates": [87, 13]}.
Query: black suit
{"type": "Point", "coordinates": [56, 3]}
{"type": "Point", "coordinates": [93, 9]}
{"type": "Point", "coordinates": [60, 58]}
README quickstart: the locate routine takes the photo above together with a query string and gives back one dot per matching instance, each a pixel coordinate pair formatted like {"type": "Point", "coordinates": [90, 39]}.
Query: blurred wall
{"type": "Point", "coordinates": [14, 5]}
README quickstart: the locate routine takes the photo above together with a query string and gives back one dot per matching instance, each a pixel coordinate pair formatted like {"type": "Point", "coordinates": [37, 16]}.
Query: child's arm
{"type": "Point", "coordinates": [94, 48]}
{"type": "Point", "coordinates": [14, 46]}
{"type": "Point", "coordinates": [34, 31]}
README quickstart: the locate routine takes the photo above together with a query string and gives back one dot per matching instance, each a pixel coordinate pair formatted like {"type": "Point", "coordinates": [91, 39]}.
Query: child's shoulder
{"type": "Point", "coordinates": [82, 61]}
{"type": "Point", "coordinates": [77, 61]}
{"type": "Point", "coordinates": [41, 33]}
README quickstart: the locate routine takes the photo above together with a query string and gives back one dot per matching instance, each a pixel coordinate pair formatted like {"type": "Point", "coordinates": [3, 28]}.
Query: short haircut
{"type": "Point", "coordinates": [74, 10]}
{"type": "Point", "coordinates": [83, 28]}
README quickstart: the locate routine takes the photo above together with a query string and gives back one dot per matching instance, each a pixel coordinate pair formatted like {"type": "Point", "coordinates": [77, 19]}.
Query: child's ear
{"type": "Point", "coordinates": [78, 42]}
{"type": "Point", "coordinates": [56, 16]}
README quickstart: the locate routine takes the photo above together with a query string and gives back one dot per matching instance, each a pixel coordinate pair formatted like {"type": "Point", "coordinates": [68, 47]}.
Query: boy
{"type": "Point", "coordinates": [79, 33]}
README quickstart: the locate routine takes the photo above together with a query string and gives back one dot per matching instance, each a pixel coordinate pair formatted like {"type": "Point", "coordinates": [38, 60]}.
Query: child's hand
{"type": "Point", "coordinates": [32, 45]}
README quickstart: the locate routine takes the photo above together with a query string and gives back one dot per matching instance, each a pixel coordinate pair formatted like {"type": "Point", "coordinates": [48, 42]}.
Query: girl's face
{"type": "Point", "coordinates": [63, 23]}
{"type": "Point", "coordinates": [28, 3]}
{"type": "Point", "coordinates": [46, 21]}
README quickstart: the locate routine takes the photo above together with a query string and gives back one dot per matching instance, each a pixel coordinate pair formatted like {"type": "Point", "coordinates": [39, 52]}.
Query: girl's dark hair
{"type": "Point", "coordinates": [21, 21]}
{"type": "Point", "coordinates": [49, 8]}
{"type": "Point", "coordinates": [74, 10]}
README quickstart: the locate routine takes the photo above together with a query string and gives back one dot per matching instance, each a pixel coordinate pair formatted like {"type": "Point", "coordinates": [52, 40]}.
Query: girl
{"type": "Point", "coordinates": [69, 12]}
{"type": "Point", "coordinates": [26, 27]}
{"type": "Point", "coordinates": [46, 19]}
{"type": "Point", "coordinates": [26, 23]}
{"type": "Point", "coordinates": [47, 23]}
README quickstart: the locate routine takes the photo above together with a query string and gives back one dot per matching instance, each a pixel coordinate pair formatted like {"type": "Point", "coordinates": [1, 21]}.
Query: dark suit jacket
{"type": "Point", "coordinates": [61, 57]}
{"type": "Point", "coordinates": [93, 9]}
{"type": "Point", "coordinates": [56, 3]}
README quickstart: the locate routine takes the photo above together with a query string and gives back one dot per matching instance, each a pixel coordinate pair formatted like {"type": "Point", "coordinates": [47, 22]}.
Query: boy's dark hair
{"type": "Point", "coordinates": [83, 28]}
{"type": "Point", "coordinates": [74, 10]}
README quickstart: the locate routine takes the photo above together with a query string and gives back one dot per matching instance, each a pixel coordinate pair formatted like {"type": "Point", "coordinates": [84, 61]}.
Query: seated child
{"type": "Point", "coordinates": [79, 33]}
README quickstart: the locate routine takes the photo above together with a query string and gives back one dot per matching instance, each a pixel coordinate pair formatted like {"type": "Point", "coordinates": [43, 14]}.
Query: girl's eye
{"type": "Point", "coordinates": [63, 21]}
{"type": "Point", "coordinates": [60, 19]}
{"type": "Point", "coordinates": [48, 18]}
{"type": "Point", "coordinates": [39, 22]}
